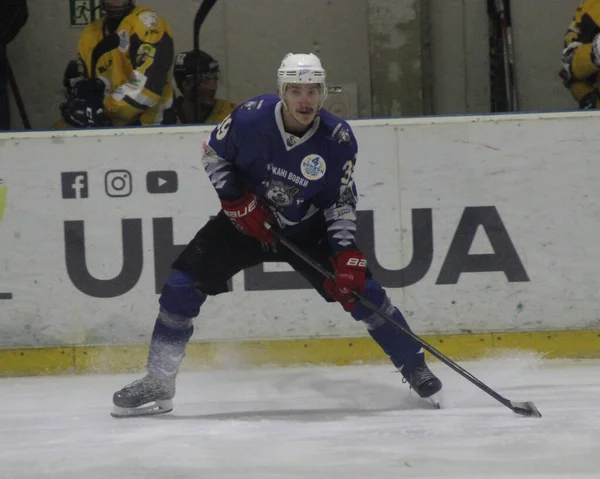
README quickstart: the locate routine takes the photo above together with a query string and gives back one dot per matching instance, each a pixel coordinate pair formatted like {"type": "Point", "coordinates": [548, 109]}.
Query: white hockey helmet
{"type": "Point", "coordinates": [301, 68]}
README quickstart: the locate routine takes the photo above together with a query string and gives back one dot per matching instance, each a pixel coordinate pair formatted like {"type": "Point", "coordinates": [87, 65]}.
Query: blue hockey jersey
{"type": "Point", "coordinates": [303, 179]}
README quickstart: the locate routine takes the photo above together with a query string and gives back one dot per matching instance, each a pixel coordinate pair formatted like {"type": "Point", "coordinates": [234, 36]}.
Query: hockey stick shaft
{"type": "Point", "coordinates": [511, 67]}
{"type": "Point", "coordinates": [201, 14]}
{"type": "Point", "coordinates": [504, 13]}
{"type": "Point", "coordinates": [17, 96]}
{"type": "Point", "coordinates": [525, 409]}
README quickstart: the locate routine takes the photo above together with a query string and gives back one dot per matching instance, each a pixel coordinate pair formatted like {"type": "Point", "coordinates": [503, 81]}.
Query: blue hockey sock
{"type": "Point", "coordinates": [167, 349]}
{"type": "Point", "coordinates": [404, 352]}
{"type": "Point", "coordinates": [180, 303]}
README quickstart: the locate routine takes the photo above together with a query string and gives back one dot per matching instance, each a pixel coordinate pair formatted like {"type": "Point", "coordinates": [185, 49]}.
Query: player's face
{"type": "Point", "coordinates": [205, 88]}
{"type": "Point", "coordinates": [303, 101]}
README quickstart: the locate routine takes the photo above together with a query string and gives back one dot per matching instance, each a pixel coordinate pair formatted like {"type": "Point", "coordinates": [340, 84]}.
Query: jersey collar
{"type": "Point", "coordinates": [289, 140]}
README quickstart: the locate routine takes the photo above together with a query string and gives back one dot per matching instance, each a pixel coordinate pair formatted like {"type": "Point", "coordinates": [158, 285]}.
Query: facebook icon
{"type": "Point", "coordinates": [74, 184]}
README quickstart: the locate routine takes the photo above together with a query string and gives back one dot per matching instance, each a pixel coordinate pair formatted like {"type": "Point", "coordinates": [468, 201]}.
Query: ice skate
{"type": "Point", "coordinates": [425, 384]}
{"type": "Point", "coordinates": [148, 396]}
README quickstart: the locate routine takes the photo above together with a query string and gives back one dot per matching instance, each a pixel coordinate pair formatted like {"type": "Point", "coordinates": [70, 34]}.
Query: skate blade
{"type": "Point", "coordinates": [152, 409]}
{"type": "Point", "coordinates": [435, 400]}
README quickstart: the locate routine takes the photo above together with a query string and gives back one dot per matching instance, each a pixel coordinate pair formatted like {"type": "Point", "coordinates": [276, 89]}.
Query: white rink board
{"type": "Point", "coordinates": [539, 172]}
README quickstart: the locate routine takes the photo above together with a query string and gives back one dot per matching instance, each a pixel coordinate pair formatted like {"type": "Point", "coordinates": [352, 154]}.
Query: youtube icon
{"type": "Point", "coordinates": [159, 182]}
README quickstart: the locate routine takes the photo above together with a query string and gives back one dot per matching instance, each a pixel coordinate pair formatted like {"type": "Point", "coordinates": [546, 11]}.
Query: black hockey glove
{"type": "Point", "coordinates": [85, 107]}
{"type": "Point", "coordinates": [589, 101]}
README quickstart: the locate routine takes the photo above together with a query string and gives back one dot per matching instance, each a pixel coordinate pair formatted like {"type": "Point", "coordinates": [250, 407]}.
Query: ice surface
{"type": "Point", "coordinates": [313, 422]}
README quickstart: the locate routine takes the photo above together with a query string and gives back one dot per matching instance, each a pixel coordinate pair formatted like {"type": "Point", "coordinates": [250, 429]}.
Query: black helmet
{"type": "Point", "coordinates": [117, 8]}
{"type": "Point", "coordinates": [191, 63]}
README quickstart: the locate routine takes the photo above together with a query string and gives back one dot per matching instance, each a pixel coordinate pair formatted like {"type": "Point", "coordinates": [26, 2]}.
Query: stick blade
{"type": "Point", "coordinates": [525, 408]}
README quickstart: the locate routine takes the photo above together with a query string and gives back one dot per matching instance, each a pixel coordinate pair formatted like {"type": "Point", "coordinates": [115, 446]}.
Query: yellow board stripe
{"type": "Point", "coordinates": [292, 352]}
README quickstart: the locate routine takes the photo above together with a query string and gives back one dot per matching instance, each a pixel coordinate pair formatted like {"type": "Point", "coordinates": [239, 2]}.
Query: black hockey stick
{"type": "Point", "coordinates": [500, 15]}
{"type": "Point", "coordinates": [17, 96]}
{"type": "Point", "coordinates": [498, 97]}
{"type": "Point", "coordinates": [201, 14]}
{"type": "Point", "coordinates": [523, 408]}
{"type": "Point", "coordinates": [507, 40]}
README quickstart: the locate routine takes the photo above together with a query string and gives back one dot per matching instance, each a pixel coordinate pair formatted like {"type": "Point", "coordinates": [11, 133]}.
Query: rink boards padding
{"type": "Point", "coordinates": [474, 225]}
{"type": "Point", "coordinates": [330, 351]}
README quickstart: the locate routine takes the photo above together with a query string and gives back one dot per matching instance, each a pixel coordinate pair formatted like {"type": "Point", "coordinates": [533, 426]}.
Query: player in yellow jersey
{"type": "Point", "coordinates": [198, 102]}
{"type": "Point", "coordinates": [126, 59]}
{"type": "Point", "coordinates": [581, 56]}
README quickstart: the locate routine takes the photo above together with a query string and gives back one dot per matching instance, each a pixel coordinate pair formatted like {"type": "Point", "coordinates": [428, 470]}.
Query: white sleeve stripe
{"type": "Point", "coordinates": [344, 235]}
{"type": "Point", "coordinates": [213, 167]}
{"type": "Point", "coordinates": [218, 177]}
{"type": "Point", "coordinates": [135, 93]}
{"type": "Point", "coordinates": [339, 225]}
{"type": "Point", "coordinates": [217, 169]}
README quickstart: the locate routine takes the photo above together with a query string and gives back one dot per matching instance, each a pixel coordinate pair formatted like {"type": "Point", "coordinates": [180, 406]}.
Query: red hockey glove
{"type": "Point", "coordinates": [350, 267]}
{"type": "Point", "coordinates": [248, 215]}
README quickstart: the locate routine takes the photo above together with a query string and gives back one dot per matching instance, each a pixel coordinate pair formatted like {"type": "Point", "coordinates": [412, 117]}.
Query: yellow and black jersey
{"type": "Point", "coordinates": [61, 125]}
{"type": "Point", "coordinates": [220, 111]}
{"type": "Point", "coordinates": [579, 73]}
{"type": "Point", "coordinates": [137, 69]}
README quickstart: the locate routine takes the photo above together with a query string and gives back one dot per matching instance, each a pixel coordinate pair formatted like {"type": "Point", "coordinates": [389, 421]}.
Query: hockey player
{"type": "Point", "coordinates": [283, 160]}
{"type": "Point", "coordinates": [581, 56]}
{"type": "Point", "coordinates": [197, 78]}
{"type": "Point", "coordinates": [126, 57]}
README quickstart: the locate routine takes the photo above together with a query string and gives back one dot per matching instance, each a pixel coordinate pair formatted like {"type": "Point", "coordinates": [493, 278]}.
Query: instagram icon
{"type": "Point", "coordinates": [117, 183]}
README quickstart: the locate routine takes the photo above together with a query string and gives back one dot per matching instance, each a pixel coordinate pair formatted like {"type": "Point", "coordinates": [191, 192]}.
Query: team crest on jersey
{"type": "Point", "coordinates": [281, 193]}
{"type": "Point", "coordinates": [150, 19]}
{"type": "Point", "coordinates": [341, 134]}
{"type": "Point", "coordinates": [252, 105]}
{"type": "Point", "coordinates": [313, 167]}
